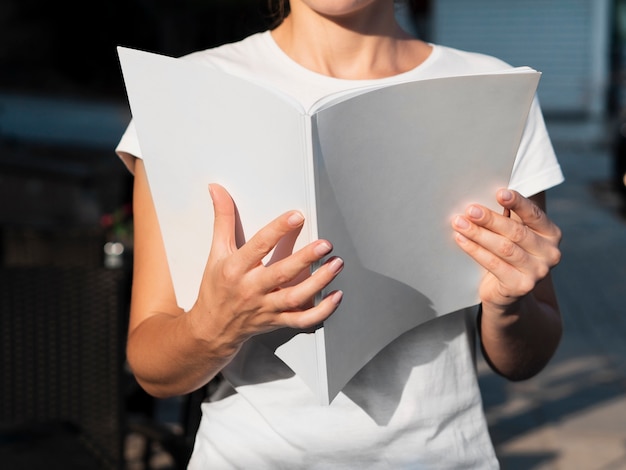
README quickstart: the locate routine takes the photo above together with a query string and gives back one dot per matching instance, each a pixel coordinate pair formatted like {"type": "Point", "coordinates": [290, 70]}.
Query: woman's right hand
{"type": "Point", "coordinates": [241, 297]}
{"type": "Point", "coordinates": [172, 352]}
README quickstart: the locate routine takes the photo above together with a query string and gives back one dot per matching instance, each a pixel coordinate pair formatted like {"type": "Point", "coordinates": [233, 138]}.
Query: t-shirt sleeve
{"type": "Point", "coordinates": [536, 167]}
{"type": "Point", "coordinates": [128, 147]}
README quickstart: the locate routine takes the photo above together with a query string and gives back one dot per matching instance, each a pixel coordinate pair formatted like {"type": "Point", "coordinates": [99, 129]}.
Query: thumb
{"type": "Point", "coordinates": [224, 219]}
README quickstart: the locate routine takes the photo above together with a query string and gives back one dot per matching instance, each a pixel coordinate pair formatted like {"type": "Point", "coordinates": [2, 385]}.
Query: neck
{"type": "Point", "coordinates": [365, 44]}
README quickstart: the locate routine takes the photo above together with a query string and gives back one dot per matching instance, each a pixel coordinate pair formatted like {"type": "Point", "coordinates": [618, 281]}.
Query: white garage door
{"type": "Point", "coordinates": [567, 40]}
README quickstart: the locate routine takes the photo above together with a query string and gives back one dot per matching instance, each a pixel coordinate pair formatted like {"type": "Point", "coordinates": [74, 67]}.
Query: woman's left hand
{"type": "Point", "coordinates": [517, 248]}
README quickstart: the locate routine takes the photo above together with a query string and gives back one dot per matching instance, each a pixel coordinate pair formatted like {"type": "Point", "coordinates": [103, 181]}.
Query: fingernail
{"type": "Point", "coordinates": [460, 238]}
{"type": "Point", "coordinates": [460, 222]}
{"type": "Point", "coordinates": [322, 248]}
{"type": "Point", "coordinates": [295, 219]}
{"type": "Point", "coordinates": [506, 195]}
{"type": "Point", "coordinates": [335, 265]}
{"type": "Point", "coordinates": [475, 212]}
{"type": "Point", "coordinates": [336, 297]}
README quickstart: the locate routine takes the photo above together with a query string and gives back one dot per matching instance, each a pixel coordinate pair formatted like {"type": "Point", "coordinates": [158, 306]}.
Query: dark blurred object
{"type": "Point", "coordinates": [62, 340]}
{"type": "Point", "coordinates": [176, 441]}
{"type": "Point", "coordinates": [53, 198]}
{"type": "Point", "coordinates": [55, 187]}
{"type": "Point", "coordinates": [619, 158]}
{"type": "Point", "coordinates": [617, 95]}
{"type": "Point", "coordinates": [68, 47]}
{"type": "Point", "coordinates": [30, 246]}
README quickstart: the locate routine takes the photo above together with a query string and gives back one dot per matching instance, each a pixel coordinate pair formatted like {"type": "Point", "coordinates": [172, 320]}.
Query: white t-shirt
{"type": "Point", "coordinates": [417, 403]}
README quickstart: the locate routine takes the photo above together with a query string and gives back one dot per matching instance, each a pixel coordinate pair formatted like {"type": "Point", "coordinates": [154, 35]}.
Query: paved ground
{"type": "Point", "coordinates": [573, 414]}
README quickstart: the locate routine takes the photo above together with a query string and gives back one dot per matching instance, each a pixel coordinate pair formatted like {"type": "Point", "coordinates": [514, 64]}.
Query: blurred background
{"type": "Point", "coordinates": [66, 225]}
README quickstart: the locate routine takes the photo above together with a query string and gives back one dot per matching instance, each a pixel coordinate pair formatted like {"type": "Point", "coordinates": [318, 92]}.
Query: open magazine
{"type": "Point", "coordinates": [378, 171]}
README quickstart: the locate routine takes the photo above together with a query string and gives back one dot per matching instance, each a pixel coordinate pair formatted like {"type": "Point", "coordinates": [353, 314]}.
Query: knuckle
{"type": "Point", "coordinates": [542, 271]}
{"type": "Point", "coordinates": [536, 213]}
{"type": "Point", "coordinates": [526, 285]}
{"type": "Point", "coordinates": [493, 264]}
{"type": "Point", "coordinates": [298, 322]}
{"type": "Point", "coordinates": [555, 256]}
{"type": "Point", "coordinates": [519, 233]}
{"type": "Point", "coordinates": [291, 301]}
{"type": "Point", "coordinates": [229, 272]}
{"type": "Point", "coordinates": [507, 249]}
{"type": "Point", "coordinates": [259, 246]}
{"type": "Point", "coordinates": [245, 299]}
{"type": "Point", "coordinates": [280, 276]}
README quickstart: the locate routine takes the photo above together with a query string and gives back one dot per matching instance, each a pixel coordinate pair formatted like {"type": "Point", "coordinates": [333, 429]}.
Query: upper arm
{"type": "Point", "coordinates": [152, 291]}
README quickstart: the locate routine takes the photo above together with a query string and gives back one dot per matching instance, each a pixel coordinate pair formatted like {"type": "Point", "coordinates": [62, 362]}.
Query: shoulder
{"type": "Point", "coordinates": [245, 53]}
{"type": "Point", "coordinates": [247, 57]}
{"type": "Point", "coordinates": [457, 61]}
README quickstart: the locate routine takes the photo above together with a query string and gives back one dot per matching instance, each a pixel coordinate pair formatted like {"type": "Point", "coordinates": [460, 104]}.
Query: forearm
{"type": "Point", "coordinates": [168, 358]}
{"type": "Point", "coordinates": [172, 352]}
{"type": "Point", "coordinates": [520, 340]}
{"type": "Point", "coordinates": [520, 322]}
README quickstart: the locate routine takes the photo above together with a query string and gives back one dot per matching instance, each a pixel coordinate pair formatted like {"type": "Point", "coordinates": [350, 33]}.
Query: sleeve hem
{"type": "Point", "coordinates": [545, 180]}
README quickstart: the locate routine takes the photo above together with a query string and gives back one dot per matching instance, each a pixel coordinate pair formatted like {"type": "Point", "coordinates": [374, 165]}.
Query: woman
{"type": "Point", "coordinates": [416, 404]}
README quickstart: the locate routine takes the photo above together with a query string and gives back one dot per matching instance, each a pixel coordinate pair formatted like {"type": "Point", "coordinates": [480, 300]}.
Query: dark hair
{"type": "Point", "coordinates": [279, 9]}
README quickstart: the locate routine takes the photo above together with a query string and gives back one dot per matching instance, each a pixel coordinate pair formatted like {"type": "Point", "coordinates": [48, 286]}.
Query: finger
{"type": "Point", "coordinates": [225, 220]}
{"type": "Point", "coordinates": [528, 212]}
{"type": "Point", "coordinates": [286, 270]}
{"type": "Point", "coordinates": [514, 249]}
{"type": "Point", "coordinates": [544, 237]}
{"type": "Point", "coordinates": [285, 246]}
{"type": "Point", "coordinates": [488, 228]}
{"type": "Point", "coordinates": [295, 297]}
{"type": "Point", "coordinates": [508, 274]}
{"type": "Point", "coordinates": [253, 252]}
{"type": "Point", "coordinates": [313, 316]}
